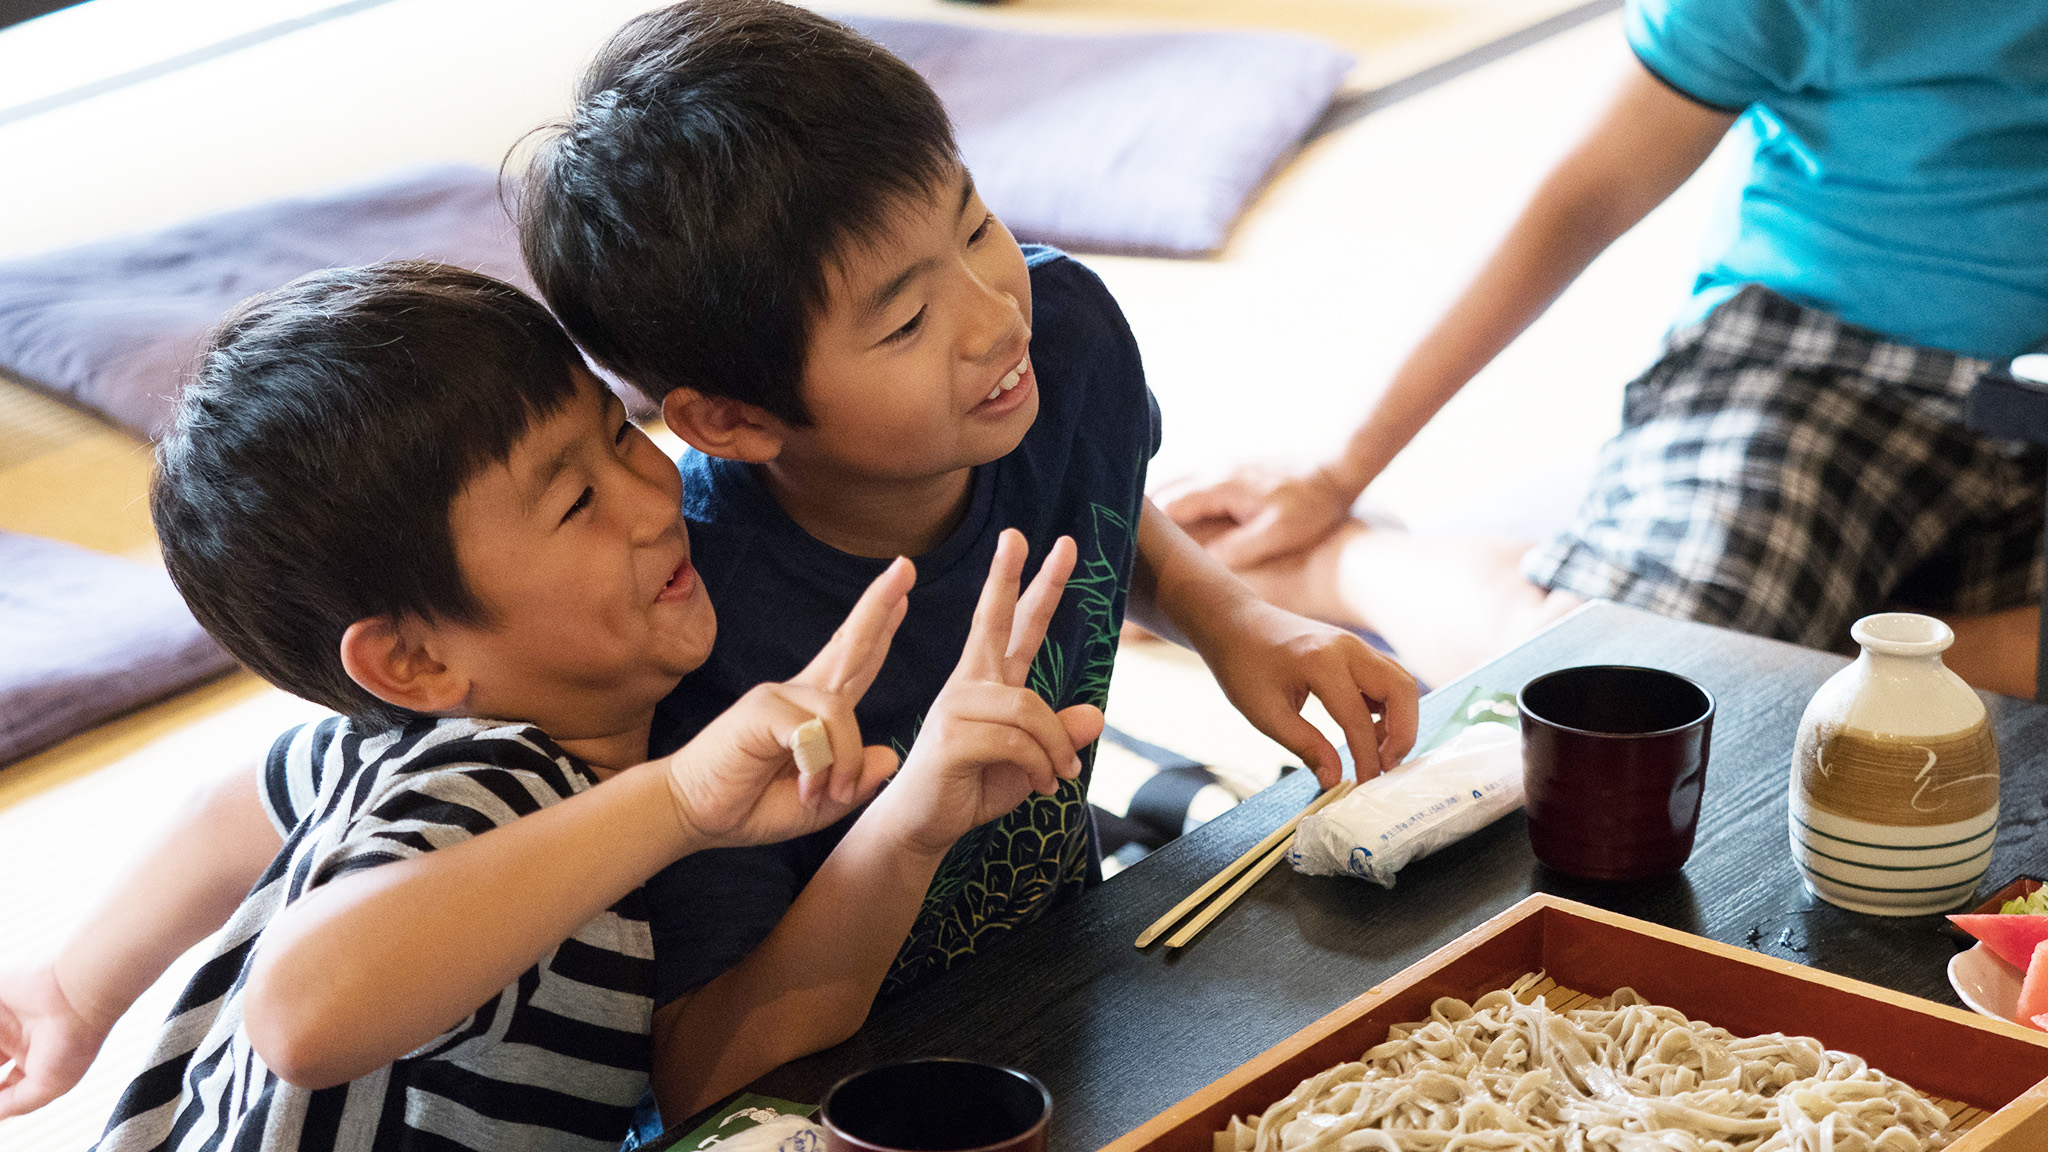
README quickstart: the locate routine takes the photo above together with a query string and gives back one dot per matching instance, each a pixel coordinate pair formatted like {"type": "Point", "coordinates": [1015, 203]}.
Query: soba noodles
{"type": "Point", "coordinates": [1617, 1075]}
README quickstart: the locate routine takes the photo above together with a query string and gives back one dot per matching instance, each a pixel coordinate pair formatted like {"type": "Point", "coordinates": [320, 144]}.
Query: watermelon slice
{"type": "Point", "coordinates": [2033, 1005]}
{"type": "Point", "coordinates": [2010, 938]}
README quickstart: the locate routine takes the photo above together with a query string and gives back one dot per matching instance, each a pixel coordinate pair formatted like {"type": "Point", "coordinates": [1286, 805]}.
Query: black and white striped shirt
{"type": "Point", "coordinates": [556, 1061]}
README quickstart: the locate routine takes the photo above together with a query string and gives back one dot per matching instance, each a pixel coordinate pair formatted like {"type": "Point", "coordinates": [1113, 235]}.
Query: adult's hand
{"type": "Point", "coordinates": [1259, 512]}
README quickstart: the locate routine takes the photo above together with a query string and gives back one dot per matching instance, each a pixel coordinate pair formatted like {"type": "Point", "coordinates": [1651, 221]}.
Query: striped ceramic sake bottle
{"type": "Point", "coordinates": [1895, 776]}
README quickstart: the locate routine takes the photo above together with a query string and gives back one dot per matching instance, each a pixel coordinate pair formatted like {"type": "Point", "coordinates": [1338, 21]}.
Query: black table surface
{"type": "Point", "coordinates": [1118, 1035]}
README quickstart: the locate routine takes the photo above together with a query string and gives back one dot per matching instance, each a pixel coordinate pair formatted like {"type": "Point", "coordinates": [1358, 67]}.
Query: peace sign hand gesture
{"type": "Point", "coordinates": [989, 742]}
{"type": "Point", "coordinates": [786, 759]}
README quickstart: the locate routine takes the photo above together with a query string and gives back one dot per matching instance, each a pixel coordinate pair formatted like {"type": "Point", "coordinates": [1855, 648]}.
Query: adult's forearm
{"type": "Point", "coordinates": [1506, 298]}
{"type": "Point", "coordinates": [182, 888]}
{"type": "Point", "coordinates": [1645, 144]}
{"type": "Point", "coordinates": [810, 984]}
{"type": "Point", "coordinates": [377, 963]}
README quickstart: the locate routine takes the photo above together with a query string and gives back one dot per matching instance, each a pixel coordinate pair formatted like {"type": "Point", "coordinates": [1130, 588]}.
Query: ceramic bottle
{"type": "Point", "coordinates": [1895, 776]}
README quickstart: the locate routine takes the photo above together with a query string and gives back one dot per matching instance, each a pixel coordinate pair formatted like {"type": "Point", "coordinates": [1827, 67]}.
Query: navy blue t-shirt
{"type": "Point", "coordinates": [780, 593]}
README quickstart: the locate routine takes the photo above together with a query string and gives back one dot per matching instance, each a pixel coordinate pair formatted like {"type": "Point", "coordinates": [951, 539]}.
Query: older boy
{"type": "Point", "coordinates": [760, 219]}
{"type": "Point", "coordinates": [396, 491]}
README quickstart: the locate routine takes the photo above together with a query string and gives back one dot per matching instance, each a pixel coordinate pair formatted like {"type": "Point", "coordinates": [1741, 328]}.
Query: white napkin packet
{"type": "Point", "coordinates": [1436, 799]}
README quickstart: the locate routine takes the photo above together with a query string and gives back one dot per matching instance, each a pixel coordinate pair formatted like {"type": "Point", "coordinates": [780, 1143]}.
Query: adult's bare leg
{"type": "Point", "coordinates": [1446, 604]}
{"type": "Point", "coordinates": [1996, 652]}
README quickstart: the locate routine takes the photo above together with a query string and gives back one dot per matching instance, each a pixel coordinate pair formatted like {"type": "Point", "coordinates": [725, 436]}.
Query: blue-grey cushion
{"type": "Point", "coordinates": [115, 324]}
{"type": "Point", "coordinates": [1141, 142]}
{"type": "Point", "coordinates": [88, 636]}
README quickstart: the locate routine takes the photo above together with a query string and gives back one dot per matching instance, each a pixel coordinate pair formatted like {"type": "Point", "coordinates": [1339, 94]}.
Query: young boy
{"type": "Point", "coordinates": [760, 219]}
{"type": "Point", "coordinates": [396, 491]}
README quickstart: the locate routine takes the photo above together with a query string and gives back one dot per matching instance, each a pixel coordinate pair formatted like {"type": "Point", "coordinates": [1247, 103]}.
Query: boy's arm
{"type": "Point", "coordinates": [54, 1015]}
{"type": "Point", "coordinates": [808, 985]}
{"type": "Point", "coordinates": [1268, 661]}
{"type": "Point", "coordinates": [987, 743]}
{"type": "Point", "coordinates": [379, 961]}
{"type": "Point", "coordinates": [1644, 145]}
{"type": "Point", "coordinates": [374, 964]}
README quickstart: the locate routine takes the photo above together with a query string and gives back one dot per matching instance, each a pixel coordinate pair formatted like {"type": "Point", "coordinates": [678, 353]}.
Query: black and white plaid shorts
{"type": "Point", "coordinates": [1784, 473]}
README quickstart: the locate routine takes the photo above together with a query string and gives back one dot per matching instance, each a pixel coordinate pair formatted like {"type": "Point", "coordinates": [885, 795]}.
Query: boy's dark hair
{"type": "Point", "coordinates": [719, 154]}
{"type": "Point", "coordinates": [307, 480]}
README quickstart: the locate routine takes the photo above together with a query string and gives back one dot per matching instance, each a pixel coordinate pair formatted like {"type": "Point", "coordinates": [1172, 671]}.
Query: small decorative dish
{"type": "Point", "coordinates": [1989, 985]}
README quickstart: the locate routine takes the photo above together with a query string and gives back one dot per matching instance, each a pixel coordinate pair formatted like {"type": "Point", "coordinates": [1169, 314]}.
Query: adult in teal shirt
{"type": "Point", "coordinates": [1796, 458]}
{"type": "Point", "coordinates": [1900, 178]}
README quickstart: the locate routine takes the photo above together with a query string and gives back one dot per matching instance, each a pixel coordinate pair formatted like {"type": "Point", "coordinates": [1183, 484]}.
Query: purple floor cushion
{"type": "Point", "coordinates": [85, 636]}
{"type": "Point", "coordinates": [1142, 142]}
{"type": "Point", "coordinates": [115, 324]}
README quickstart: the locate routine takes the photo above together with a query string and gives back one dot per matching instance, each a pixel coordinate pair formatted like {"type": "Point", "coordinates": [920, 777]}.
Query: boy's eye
{"type": "Point", "coordinates": [582, 502]}
{"type": "Point", "coordinates": [910, 326]}
{"type": "Point", "coordinates": [982, 231]}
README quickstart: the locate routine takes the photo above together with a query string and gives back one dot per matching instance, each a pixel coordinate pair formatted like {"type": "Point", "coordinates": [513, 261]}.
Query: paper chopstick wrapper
{"type": "Point", "coordinates": [811, 746]}
{"type": "Point", "coordinates": [1435, 800]}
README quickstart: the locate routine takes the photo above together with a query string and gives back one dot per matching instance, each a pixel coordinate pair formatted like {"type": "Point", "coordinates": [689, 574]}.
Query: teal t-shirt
{"type": "Point", "coordinates": [1900, 176]}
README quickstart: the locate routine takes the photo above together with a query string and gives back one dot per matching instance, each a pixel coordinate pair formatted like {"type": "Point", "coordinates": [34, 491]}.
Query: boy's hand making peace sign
{"type": "Point", "coordinates": [738, 781]}
{"type": "Point", "coordinates": [989, 742]}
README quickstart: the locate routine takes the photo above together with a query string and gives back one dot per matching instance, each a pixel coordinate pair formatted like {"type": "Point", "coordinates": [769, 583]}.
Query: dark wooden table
{"type": "Point", "coordinates": [1118, 1034]}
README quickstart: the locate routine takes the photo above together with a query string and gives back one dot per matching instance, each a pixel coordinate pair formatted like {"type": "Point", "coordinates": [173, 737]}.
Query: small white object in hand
{"type": "Point", "coordinates": [813, 749]}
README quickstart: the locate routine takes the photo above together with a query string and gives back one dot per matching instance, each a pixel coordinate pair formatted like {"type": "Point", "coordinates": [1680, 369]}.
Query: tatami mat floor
{"type": "Point", "coordinates": [1267, 350]}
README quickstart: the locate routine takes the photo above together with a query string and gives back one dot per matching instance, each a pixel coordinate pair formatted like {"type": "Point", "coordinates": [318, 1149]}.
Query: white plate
{"type": "Point", "coordinates": [1985, 982]}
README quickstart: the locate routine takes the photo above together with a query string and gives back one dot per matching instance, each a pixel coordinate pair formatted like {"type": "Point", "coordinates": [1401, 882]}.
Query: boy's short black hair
{"type": "Point", "coordinates": [719, 154]}
{"type": "Point", "coordinates": [307, 481]}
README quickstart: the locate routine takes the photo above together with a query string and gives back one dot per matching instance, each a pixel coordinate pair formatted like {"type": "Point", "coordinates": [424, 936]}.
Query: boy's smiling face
{"type": "Point", "coordinates": [576, 547]}
{"type": "Point", "coordinates": [918, 365]}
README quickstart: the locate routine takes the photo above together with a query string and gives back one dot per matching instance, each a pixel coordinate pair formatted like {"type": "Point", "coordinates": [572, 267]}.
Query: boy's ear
{"type": "Point", "coordinates": [721, 426]}
{"type": "Point", "coordinates": [395, 662]}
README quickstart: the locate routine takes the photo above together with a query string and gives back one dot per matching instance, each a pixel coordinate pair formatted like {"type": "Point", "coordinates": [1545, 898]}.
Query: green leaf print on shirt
{"type": "Point", "coordinates": [1009, 871]}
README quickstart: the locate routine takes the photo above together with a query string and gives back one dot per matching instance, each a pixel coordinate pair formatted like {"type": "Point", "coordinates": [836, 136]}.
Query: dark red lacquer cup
{"type": "Point", "coordinates": [936, 1105]}
{"type": "Point", "coordinates": [1614, 759]}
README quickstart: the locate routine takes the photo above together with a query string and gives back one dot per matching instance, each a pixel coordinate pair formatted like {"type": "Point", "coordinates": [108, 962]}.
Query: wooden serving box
{"type": "Point", "coordinates": [1991, 1076]}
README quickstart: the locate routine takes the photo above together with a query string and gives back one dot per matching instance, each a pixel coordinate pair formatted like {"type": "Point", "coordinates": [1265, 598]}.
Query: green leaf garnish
{"type": "Point", "coordinates": [2034, 903]}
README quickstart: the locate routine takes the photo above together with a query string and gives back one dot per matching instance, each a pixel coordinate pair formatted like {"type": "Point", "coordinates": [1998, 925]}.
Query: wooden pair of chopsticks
{"type": "Point", "coordinates": [1246, 871]}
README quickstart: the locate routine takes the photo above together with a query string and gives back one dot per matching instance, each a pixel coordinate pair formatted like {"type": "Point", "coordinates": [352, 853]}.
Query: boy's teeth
{"type": "Point", "coordinates": [1009, 380]}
